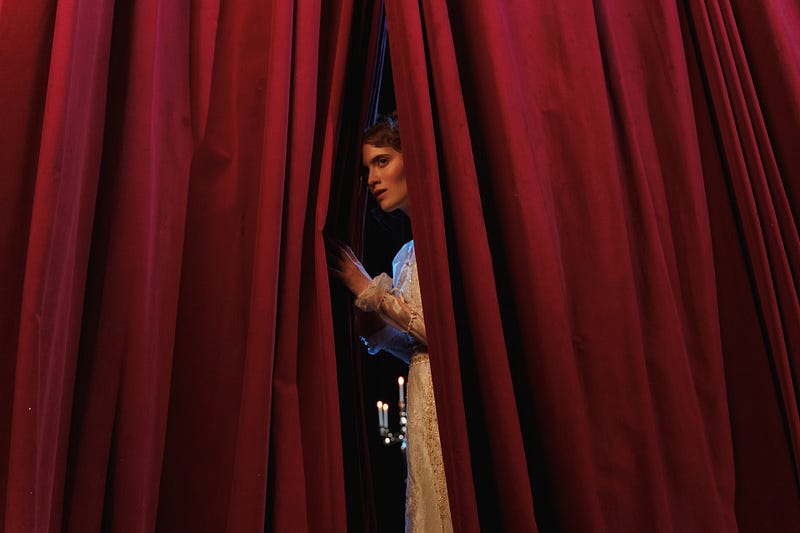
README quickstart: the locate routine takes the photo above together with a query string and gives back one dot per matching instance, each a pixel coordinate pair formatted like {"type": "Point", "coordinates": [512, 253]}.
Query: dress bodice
{"type": "Point", "coordinates": [404, 273]}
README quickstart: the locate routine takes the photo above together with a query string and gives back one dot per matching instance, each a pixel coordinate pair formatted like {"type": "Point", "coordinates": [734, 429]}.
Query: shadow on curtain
{"type": "Point", "coordinates": [166, 322]}
{"type": "Point", "coordinates": [606, 227]}
{"type": "Point", "coordinates": [614, 327]}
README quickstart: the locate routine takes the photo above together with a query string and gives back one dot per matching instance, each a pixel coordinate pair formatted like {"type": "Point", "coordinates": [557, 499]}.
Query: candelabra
{"type": "Point", "coordinates": [389, 437]}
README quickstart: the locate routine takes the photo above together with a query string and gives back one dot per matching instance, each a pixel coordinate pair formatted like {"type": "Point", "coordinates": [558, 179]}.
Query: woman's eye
{"type": "Point", "coordinates": [383, 161]}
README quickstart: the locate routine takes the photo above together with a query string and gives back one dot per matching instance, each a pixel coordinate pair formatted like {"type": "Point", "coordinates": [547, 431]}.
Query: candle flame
{"type": "Point", "coordinates": [380, 405]}
{"type": "Point", "coordinates": [386, 407]}
{"type": "Point", "coordinates": [400, 380]}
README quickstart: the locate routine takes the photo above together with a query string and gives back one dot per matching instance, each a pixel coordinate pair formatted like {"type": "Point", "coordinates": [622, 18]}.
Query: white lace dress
{"type": "Point", "coordinates": [399, 303]}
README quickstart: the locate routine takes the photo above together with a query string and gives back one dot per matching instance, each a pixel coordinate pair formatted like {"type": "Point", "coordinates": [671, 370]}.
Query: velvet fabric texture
{"type": "Point", "coordinates": [166, 175]}
{"type": "Point", "coordinates": [605, 200]}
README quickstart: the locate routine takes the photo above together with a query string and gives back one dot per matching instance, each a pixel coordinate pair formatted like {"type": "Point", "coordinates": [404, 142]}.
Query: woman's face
{"type": "Point", "coordinates": [386, 177]}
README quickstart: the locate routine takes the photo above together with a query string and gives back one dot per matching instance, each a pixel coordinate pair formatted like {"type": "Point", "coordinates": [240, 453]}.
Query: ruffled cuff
{"type": "Point", "coordinates": [380, 339]}
{"type": "Point", "coordinates": [399, 344]}
{"type": "Point", "coordinates": [371, 297]}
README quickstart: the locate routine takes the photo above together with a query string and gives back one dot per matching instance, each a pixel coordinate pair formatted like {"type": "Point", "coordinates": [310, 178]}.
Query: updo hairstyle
{"type": "Point", "coordinates": [385, 132]}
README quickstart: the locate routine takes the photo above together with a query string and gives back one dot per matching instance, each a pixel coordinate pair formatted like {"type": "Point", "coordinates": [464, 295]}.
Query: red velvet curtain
{"type": "Point", "coordinates": [604, 197]}
{"type": "Point", "coordinates": [166, 175]}
{"type": "Point", "coordinates": [605, 212]}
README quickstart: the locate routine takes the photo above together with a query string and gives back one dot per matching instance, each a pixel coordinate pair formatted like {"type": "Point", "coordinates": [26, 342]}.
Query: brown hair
{"type": "Point", "coordinates": [385, 132]}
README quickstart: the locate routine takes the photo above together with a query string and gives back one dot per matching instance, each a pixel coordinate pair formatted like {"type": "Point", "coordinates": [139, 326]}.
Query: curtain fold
{"type": "Point", "coordinates": [604, 198]}
{"type": "Point", "coordinates": [769, 229]}
{"type": "Point", "coordinates": [164, 263]}
{"type": "Point", "coordinates": [604, 175]}
{"type": "Point", "coordinates": [745, 109]}
{"type": "Point", "coordinates": [62, 169]}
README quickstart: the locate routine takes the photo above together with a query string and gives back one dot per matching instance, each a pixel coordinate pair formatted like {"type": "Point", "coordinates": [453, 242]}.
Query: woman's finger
{"type": "Point", "coordinates": [332, 248]}
{"type": "Point", "coordinates": [346, 254]}
{"type": "Point", "coordinates": [334, 265]}
{"type": "Point", "coordinates": [334, 241]}
{"type": "Point", "coordinates": [334, 260]}
{"type": "Point", "coordinates": [350, 254]}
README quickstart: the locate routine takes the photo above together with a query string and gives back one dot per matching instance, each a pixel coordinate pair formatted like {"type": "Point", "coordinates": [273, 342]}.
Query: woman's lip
{"type": "Point", "coordinates": [380, 193]}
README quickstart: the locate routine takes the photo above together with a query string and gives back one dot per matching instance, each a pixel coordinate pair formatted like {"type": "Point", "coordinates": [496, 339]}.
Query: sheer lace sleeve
{"type": "Point", "coordinates": [405, 331]}
{"type": "Point", "coordinates": [388, 302]}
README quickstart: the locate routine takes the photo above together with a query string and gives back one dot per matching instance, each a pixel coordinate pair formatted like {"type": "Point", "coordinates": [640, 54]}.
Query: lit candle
{"type": "Point", "coordinates": [402, 384]}
{"type": "Point", "coordinates": [380, 414]}
{"type": "Point", "coordinates": [386, 415]}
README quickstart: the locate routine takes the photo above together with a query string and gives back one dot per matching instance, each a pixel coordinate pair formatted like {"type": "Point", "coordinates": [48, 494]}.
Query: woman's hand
{"type": "Point", "coordinates": [344, 264]}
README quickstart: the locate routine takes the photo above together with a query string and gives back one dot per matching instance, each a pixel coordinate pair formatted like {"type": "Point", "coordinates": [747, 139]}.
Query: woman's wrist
{"type": "Point", "coordinates": [370, 298]}
{"type": "Point", "coordinates": [360, 285]}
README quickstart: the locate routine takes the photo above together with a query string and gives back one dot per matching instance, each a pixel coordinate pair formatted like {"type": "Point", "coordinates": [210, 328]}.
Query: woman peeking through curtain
{"type": "Point", "coordinates": [390, 318]}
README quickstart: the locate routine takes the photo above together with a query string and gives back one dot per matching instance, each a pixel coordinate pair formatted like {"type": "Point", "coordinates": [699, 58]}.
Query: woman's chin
{"type": "Point", "coordinates": [388, 206]}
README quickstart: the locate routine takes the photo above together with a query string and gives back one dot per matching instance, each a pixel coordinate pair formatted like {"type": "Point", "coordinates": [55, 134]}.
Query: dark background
{"type": "Point", "coordinates": [365, 379]}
